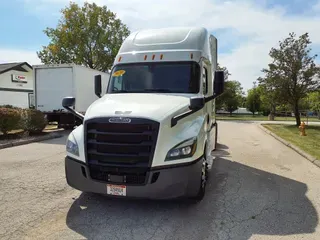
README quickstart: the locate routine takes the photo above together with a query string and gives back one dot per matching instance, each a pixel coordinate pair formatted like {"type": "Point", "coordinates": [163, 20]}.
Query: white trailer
{"type": "Point", "coordinates": [54, 82]}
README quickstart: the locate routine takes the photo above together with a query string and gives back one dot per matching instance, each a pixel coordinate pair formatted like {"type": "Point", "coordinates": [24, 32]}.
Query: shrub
{"type": "Point", "coordinates": [33, 121]}
{"type": "Point", "coordinates": [9, 119]}
{"type": "Point", "coordinates": [10, 106]}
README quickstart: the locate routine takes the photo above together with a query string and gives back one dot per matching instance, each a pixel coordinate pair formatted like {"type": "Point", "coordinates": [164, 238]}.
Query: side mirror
{"type": "Point", "coordinates": [68, 102]}
{"type": "Point", "coordinates": [218, 87]}
{"type": "Point", "coordinates": [197, 103]}
{"type": "Point", "coordinates": [97, 85]}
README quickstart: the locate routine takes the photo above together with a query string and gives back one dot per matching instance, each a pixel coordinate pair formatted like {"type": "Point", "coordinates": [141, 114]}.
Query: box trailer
{"type": "Point", "coordinates": [53, 82]}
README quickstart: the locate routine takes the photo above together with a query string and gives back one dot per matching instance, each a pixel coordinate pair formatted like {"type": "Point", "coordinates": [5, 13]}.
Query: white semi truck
{"type": "Point", "coordinates": [54, 81]}
{"type": "Point", "coordinates": [152, 132]}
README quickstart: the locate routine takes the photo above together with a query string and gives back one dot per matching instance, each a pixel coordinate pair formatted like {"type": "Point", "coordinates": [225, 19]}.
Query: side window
{"type": "Point", "coordinates": [205, 80]}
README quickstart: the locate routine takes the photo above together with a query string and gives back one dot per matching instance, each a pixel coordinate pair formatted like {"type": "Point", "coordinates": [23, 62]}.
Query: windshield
{"type": "Point", "coordinates": [181, 77]}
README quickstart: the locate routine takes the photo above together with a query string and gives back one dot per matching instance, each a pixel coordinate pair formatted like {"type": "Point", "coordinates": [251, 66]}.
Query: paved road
{"type": "Point", "coordinates": [258, 189]}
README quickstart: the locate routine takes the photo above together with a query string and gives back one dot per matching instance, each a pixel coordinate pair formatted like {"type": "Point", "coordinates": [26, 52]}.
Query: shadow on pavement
{"type": "Point", "coordinates": [240, 201]}
{"type": "Point", "coordinates": [221, 146]}
{"type": "Point", "coordinates": [60, 140]}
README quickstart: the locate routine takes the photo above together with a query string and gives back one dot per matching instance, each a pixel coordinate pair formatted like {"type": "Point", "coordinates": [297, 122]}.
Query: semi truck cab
{"type": "Point", "coordinates": [152, 130]}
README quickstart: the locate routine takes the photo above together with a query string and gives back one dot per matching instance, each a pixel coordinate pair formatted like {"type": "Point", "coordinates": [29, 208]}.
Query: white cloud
{"type": "Point", "coordinates": [19, 55]}
{"type": "Point", "coordinates": [261, 27]}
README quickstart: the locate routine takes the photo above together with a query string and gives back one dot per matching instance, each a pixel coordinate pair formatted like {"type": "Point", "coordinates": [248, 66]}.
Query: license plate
{"type": "Point", "coordinates": [117, 190]}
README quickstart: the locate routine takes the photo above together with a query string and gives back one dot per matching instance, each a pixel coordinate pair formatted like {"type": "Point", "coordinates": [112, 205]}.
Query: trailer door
{"type": "Point", "coordinates": [52, 85]}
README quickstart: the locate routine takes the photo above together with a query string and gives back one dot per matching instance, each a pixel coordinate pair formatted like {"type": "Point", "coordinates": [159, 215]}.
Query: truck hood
{"type": "Point", "coordinates": [141, 105]}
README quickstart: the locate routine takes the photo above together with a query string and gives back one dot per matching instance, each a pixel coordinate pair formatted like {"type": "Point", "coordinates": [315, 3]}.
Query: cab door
{"type": "Point", "coordinates": [206, 93]}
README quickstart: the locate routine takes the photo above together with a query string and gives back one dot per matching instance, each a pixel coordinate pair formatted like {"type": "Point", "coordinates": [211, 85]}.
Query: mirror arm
{"type": "Point", "coordinates": [207, 99]}
{"type": "Point", "coordinates": [75, 113]}
{"type": "Point", "coordinates": [175, 119]}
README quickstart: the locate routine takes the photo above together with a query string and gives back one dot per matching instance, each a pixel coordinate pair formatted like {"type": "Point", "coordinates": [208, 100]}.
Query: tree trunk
{"type": "Point", "coordinates": [272, 113]}
{"type": "Point", "coordinates": [297, 114]}
{"type": "Point", "coordinates": [271, 117]}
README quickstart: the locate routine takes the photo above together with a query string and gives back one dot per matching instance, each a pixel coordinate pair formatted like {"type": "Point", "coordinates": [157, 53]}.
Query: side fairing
{"type": "Point", "coordinates": [189, 127]}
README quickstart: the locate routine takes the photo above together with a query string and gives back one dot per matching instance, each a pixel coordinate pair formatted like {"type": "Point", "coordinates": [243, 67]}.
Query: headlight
{"type": "Point", "coordinates": [183, 150]}
{"type": "Point", "coordinates": [72, 146]}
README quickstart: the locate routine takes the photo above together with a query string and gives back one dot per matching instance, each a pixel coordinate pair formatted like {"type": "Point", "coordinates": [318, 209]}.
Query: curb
{"type": "Point", "coordinates": [27, 141]}
{"type": "Point", "coordinates": [310, 158]}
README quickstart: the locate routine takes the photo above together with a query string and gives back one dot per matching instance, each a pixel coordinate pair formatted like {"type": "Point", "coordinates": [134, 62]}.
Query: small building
{"type": "Point", "coordinates": [16, 84]}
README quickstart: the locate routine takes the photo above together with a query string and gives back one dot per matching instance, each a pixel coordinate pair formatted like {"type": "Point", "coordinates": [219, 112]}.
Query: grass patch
{"type": "Point", "coordinates": [309, 143]}
{"type": "Point", "coordinates": [263, 118]}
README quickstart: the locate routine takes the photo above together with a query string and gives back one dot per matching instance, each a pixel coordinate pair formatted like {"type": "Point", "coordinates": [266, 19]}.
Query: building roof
{"type": "Point", "coordinates": [5, 67]}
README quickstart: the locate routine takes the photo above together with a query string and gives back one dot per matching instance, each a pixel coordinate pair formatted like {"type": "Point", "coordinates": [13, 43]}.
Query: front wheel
{"type": "Point", "coordinates": [203, 183]}
{"type": "Point", "coordinates": [215, 138]}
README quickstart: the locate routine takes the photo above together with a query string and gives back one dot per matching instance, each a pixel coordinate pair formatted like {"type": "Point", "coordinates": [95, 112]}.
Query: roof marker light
{"type": "Point", "coordinates": [153, 57]}
{"type": "Point", "coordinates": [191, 55]}
{"type": "Point", "coordinates": [145, 57]}
{"type": "Point", "coordinates": [119, 59]}
{"type": "Point", "coordinates": [161, 56]}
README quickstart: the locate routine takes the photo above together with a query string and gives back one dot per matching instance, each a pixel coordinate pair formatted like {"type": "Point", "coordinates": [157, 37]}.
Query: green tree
{"type": "Point", "coordinates": [89, 35]}
{"type": "Point", "coordinates": [270, 96]}
{"type": "Point", "coordinates": [253, 102]}
{"type": "Point", "coordinates": [219, 101]}
{"type": "Point", "coordinates": [226, 71]}
{"type": "Point", "coordinates": [243, 101]}
{"type": "Point", "coordinates": [264, 101]}
{"type": "Point", "coordinates": [314, 100]}
{"type": "Point", "coordinates": [231, 98]}
{"type": "Point", "coordinates": [293, 72]}
{"type": "Point", "coordinates": [304, 103]}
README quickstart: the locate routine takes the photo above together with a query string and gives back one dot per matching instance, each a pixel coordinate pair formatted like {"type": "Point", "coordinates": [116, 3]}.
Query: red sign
{"type": "Point", "coordinates": [19, 78]}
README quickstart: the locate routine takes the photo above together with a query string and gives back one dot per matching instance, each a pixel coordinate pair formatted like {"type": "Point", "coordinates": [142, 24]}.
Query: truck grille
{"type": "Point", "coordinates": [119, 147]}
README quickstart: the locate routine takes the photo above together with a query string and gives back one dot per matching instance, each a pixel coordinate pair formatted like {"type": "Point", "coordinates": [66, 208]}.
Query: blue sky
{"type": "Point", "coordinates": [246, 29]}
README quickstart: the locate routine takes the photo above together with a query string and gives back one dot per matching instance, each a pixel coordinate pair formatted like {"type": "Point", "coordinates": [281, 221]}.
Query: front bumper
{"type": "Point", "coordinates": [173, 181]}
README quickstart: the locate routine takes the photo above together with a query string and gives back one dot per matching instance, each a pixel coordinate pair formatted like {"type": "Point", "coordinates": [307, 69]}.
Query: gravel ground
{"type": "Point", "coordinates": [258, 189]}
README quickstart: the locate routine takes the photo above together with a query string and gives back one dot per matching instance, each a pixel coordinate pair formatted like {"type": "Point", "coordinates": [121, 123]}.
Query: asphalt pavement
{"type": "Point", "coordinates": [258, 189]}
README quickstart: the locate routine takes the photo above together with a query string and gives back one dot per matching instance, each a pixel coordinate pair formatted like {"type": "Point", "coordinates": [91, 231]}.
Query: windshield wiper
{"type": "Point", "coordinates": [120, 91]}
{"type": "Point", "coordinates": [162, 90]}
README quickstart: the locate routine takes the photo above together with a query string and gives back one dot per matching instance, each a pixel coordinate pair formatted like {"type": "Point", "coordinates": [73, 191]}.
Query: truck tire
{"type": "Point", "coordinates": [203, 183]}
{"type": "Point", "coordinates": [216, 138]}
{"type": "Point", "coordinates": [68, 127]}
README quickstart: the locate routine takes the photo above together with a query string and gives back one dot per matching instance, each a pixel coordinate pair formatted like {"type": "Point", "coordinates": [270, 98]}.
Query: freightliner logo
{"type": "Point", "coordinates": [119, 120]}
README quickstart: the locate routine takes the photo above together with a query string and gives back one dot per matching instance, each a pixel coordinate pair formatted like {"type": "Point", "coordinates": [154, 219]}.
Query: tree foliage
{"type": "Point", "coordinates": [253, 101]}
{"type": "Point", "coordinates": [226, 71]}
{"type": "Point", "coordinates": [231, 98]}
{"type": "Point", "coordinates": [293, 72]}
{"type": "Point", "coordinates": [314, 101]}
{"type": "Point", "coordinates": [218, 102]}
{"type": "Point", "coordinates": [270, 96]}
{"type": "Point", "coordinates": [89, 35]}
{"type": "Point", "coordinates": [243, 101]}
